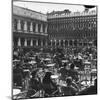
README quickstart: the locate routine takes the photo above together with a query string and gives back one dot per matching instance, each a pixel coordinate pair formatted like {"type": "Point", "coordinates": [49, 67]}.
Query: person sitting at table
{"type": "Point", "coordinates": [63, 72]}
{"type": "Point", "coordinates": [18, 75]}
{"type": "Point", "coordinates": [34, 84]}
{"type": "Point", "coordinates": [34, 81]}
{"type": "Point", "coordinates": [48, 85]}
{"type": "Point", "coordinates": [70, 89]}
{"type": "Point", "coordinates": [73, 73]}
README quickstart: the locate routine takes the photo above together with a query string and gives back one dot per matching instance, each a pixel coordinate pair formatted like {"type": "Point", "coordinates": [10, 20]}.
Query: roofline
{"type": "Point", "coordinates": [29, 9]}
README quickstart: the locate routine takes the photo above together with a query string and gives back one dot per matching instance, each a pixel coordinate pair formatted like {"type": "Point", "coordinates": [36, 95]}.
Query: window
{"type": "Point", "coordinates": [28, 26]}
{"type": "Point", "coordinates": [15, 24]}
{"type": "Point", "coordinates": [22, 25]}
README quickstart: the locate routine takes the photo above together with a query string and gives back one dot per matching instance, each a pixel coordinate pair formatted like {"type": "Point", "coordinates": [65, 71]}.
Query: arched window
{"type": "Point", "coordinates": [15, 24]}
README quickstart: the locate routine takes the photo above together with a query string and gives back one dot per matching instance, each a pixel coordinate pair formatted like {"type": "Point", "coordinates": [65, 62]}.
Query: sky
{"type": "Point", "coordinates": [48, 7]}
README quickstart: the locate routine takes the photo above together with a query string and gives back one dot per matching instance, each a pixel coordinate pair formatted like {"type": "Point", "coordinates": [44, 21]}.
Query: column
{"type": "Point", "coordinates": [78, 43]}
{"type": "Point", "coordinates": [82, 42]}
{"type": "Point", "coordinates": [59, 42]}
{"type": "Point", "coordinates": [31, 43]}
{"type": "Point", "coordinates": [72, 43]}
{"type": "Point", "coordinates": [36, 28]}
{"type": "Point", "coordinates": [75, 43]}
{"type": "Point", "coordinates": [36, 42]}
{"type": "Point", "coordinates": [64, 43]}
{"type": "Point", "coordinates": [25, 42]}
{"type": "Point", "coordinates": [25, 26]}
{"type": "Point", "coordinates": [41, 42]}
{"type": "Point", "coordinates": [19, 42]}
{"type": "Point", "coordinates": [55, 43]}
{"type": "Point", "coordinates": [45, 28]}
{"type": "Point", "coordinates": [92, 43]}
{"type": "Point", "coordinates": [68, 43]}
{"type": "Point", "coordinates": [41, 29]}
{"type": "Point", "coordinates": [31, 27]}
{"type": "Point", "coordinates": [19, 25]}
{"type": "Point", "coordinates": [51, 42]}
{"type": "Point", "coordinates": [46, 44]}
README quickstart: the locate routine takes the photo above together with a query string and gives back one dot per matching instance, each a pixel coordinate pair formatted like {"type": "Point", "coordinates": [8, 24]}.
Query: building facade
{"type": "Point", "coordinates": [29, 28]}
{"type": "Point", "coordinates": [72, 29]}
{"type": "Point", "coordinates": [55, 29]}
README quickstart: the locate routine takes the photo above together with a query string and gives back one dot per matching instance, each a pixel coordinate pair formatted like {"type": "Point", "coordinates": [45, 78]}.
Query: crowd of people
{"type": "Point", "coordinates": [55, 72]}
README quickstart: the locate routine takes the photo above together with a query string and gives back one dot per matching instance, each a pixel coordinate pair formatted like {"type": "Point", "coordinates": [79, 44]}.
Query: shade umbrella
{"type": "Point", "coordinates": [26, 70]}
{"type": "Point", "coordinates": [64, 61]}
{"type": "Point", "coordinates": [16, 91]}
{"type": "Point", "coordinates": [50, 65]}
{"type": "Point", "coordinates": [87, 63]}
{"type": "Point", "coordinates": [54, 76]}
{"type": "Point", "coordinates": [93, 70]}
{"type": "Point", "coordinates": [79, 57]}
{"type": "Point", "coordinates": [32, 62]}
{"type": "Point", "coordinates": [87, 7]}
{"type": "Point", "coordinates": [16, 60]}
{"type": "Point", "coordinates": [47, 59]}
{"type": "Point", "coordinates": [76, 68]}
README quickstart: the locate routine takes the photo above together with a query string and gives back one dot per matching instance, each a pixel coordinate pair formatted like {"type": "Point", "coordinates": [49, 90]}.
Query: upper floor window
{"type": "Point", "coordinates": [15, 24]}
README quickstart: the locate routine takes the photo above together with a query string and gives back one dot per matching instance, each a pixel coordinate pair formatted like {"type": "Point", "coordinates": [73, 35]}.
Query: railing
{"type": "Point", "coordinates": [45, 34]}
{"type": "Point", "coordinates": [72, 14]}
